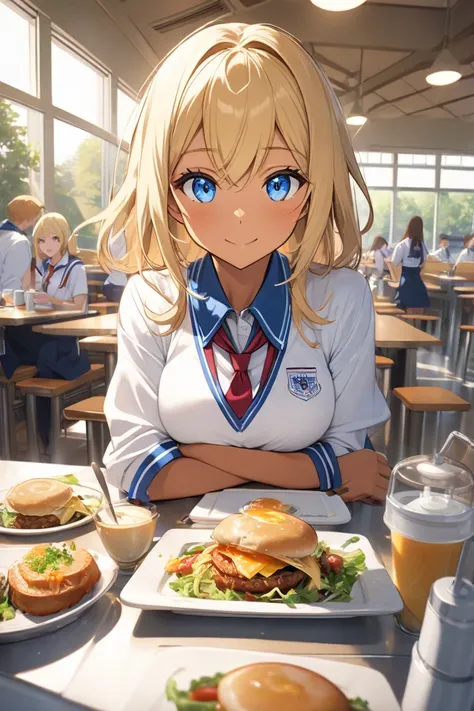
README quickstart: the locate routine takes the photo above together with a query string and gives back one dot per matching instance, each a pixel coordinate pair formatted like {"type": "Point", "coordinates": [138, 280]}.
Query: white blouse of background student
{"type": "Point", "coordinates": [467, 255]}
{"type": "Point", "coordinates": [68, 280]}
{"type": "Point", "coordinates": [401, 254]}
{"type": "Point", "coordinates": [163, 392]}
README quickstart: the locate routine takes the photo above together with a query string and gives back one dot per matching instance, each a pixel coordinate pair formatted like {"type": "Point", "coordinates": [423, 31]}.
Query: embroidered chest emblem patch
{"type": "Point", "coordinates": [303, 382]}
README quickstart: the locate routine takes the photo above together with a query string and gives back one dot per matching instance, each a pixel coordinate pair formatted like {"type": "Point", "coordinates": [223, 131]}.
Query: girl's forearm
{"type": "Point", "coordinates": [188, 477]}
{"type": "Point", "coordinates": [286, 470]}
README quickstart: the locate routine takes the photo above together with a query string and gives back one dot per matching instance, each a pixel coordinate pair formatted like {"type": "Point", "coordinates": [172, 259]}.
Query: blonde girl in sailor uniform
{"type": "Point", "coordinates": [246, 342]}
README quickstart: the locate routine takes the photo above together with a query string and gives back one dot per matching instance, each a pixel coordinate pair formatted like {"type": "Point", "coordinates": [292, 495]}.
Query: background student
{"type": "Point", "coordinates": [15, 251]}
{"type": "Point", "coordinates": [443, 253]}
{"type": "Point", "coordinates": [467, 254]}
{"type": "Point", "coordinates": [411, 252]}
{"type": "Point", "coordinates": [379, 252]}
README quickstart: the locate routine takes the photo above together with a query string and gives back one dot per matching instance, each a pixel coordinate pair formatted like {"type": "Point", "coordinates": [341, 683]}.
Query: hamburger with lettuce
{"type": "Point", "coordinates": [42, 503]}
{"type": "Point", "coordinates": [269, 556]}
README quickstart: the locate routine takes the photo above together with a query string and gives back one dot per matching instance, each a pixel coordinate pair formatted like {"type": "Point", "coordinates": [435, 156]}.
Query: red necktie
{"type": "Point", "coordinates": [48, 277]}
{"type": "Point", "coordinates": [239, 396]}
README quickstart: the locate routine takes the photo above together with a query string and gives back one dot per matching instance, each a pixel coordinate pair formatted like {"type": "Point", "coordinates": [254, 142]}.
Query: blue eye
{"type": "Point", "coordinates": [281, 187]}
{"type": "Point", "coordinates": [199, 189]}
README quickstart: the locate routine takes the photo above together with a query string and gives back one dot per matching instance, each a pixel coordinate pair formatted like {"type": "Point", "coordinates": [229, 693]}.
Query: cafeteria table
{"type": "Point", "coordinates": [402, 340]}
{"type": "Point", "coordinates": [99, 659]}
{"type": "Point", "coordinates": [390, 333]}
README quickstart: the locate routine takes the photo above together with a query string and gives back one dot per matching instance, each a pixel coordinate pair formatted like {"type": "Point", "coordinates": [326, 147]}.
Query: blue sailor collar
{"type": "Point", "coordinates": [10, 227]}
{"type": "Point", "coordinates": [271, 306]}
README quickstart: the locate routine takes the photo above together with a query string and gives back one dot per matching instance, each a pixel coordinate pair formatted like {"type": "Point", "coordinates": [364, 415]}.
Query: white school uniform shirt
{"type": "Point", "coordinates": [379, 256]}
{"type": "Point", "coordinates": [68, 280]}
{"type": "Point", "coordinates": [118, 248]}
{"type": "Point", "coordinates": [402, 251]}
{"type": "Point", "coordinates": [442, 256]}
{"type": "Point", "coordinates": [15, 256]}
{"type": "Point", "coordinates": [467, 255]}
{"type": "Point", "coordinates": [320, 400]}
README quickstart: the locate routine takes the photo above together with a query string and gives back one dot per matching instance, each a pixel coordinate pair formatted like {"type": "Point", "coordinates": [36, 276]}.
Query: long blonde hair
{"type": "Point", "coordinates": [277, 86]}
{"type": "Point", "coordinates": [52, 223]}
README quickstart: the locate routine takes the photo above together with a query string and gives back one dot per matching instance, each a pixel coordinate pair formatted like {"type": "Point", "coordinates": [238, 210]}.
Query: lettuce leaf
{"type": "Point", "coordinates": [69, 479]}
{"type": "Point", "coordinates": [7, 611]}
{"type": "Point", "coordinates": [359, 704]}
{"type": "Point", "coordinates": [8, 518]}
{"type": "Point", "coordinates": [339, 587]}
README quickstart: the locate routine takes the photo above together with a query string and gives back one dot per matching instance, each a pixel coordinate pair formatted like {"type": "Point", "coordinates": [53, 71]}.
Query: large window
{"type": "Point", "coordinates": [438, 188]}
{"type": "Point", "coordinates": [79, 186]}
{"type": "Point", "coordinates": [17, 48]}
{"type": "Point", "coordinates": [78, 86]}
{"type": "Point", "coordinates": [126, 115]}
{"type": "Point", "coordinates": [21, 131]}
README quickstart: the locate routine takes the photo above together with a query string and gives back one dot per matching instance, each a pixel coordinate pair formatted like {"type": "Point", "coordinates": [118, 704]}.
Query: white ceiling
{"type": "Point", "coordinates": [399, 39]}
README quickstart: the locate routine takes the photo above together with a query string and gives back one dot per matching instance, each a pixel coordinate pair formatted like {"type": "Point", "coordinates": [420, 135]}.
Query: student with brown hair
{"type": "Point", "coordinates": [15, 252]}
{"type": "Point", "coordinates": [411, 252]}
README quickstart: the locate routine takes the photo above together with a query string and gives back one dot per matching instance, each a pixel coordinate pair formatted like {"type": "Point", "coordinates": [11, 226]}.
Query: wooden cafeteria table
{"type": "Point", "coordinates": [99, 659]}
{"type": "Point", "coordinates": [97, 326]}
{"type": "Point", "coordinates": [402, 340]}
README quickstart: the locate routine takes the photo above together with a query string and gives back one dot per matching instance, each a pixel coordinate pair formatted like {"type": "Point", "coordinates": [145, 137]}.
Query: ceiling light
{"type": "Point", "coordinates": [337, 5]}
{"type": "Point", "coordinates": [445, 70]}
{"type": "Point", "coordinates": [357, 116]}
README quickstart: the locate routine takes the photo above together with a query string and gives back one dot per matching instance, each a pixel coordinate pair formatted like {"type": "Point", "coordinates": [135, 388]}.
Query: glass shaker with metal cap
{"type": "Point", "coordinates": [430, 516]}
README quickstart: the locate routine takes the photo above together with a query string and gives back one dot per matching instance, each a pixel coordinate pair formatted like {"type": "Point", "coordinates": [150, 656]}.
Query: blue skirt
{"type": "Point", "coordinates": [411, 292]}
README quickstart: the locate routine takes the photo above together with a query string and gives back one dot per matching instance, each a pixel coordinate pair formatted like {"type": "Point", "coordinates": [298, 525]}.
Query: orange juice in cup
{"type": "Point", "coordinates": [429, 514]}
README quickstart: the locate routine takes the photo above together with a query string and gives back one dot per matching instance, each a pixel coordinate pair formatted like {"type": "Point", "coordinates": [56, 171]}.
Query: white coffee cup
{"type": "Point", "coordinates": [30, 300]}
{"type": "Point", "coordinates": [18, 297]}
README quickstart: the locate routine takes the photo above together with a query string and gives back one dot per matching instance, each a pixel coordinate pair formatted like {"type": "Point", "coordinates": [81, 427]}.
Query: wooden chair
{"type": "Point", "coordinates": [54, 389]}
{"type": "Point", "coordinates": [7, 399]}
{"type": "Point", "coordinates": [417, 402]}
{"type": "Point", "coordinates": [92, 411]}
{"type": "Point", "coordinates": [383, 369]}
{"type": "Point", "coordinates": [464, 350]}
{"type": "Point", "coordinates": [106, 345]}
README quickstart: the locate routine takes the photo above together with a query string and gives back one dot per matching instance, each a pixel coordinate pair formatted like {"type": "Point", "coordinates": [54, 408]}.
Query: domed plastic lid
{"type": "Point", "coordinates": [430, 499]}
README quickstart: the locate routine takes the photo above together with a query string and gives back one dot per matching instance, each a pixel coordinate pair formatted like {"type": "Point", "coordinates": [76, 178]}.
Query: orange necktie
{"type": "Point", "coordinates": [48, 277]}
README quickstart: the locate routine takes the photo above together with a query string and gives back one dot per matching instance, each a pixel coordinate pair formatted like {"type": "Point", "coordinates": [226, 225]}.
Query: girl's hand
{"type": "Point", "coordinates": [365, 474]}
{"type": "Point", "coordinates": [41, 298]}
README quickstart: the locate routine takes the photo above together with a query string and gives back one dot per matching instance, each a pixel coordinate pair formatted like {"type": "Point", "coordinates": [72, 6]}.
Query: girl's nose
{"type": "Point", "coordinates": [239, 213]}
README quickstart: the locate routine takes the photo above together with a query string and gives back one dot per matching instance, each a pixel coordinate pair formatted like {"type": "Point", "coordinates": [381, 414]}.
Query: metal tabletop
{"type": "Point", "coordinates": [98, 660]}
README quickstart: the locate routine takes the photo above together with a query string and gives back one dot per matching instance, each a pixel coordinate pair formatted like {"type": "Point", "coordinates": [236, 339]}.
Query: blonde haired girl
{"type": "Point", "coordinates": [240, 359]}
{"type": "Point", "coordinates": [60, 276]}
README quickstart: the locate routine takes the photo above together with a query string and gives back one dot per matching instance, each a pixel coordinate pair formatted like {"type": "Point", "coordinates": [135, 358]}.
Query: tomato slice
{"type": "Point", "coordinates": [205, 693]}
{"type": "Point", "coordinates": [185, 566]}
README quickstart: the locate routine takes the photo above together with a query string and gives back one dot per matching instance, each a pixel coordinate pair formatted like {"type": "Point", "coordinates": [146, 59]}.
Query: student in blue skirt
{"type": "Point", "coordinates": [411, 252]}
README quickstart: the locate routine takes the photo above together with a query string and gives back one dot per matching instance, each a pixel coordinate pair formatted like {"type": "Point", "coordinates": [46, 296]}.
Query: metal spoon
{"type": "Point", "coordinates": [105, 490]}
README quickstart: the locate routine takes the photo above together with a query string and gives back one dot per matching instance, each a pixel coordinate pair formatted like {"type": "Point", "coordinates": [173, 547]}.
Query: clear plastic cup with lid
{"type": "Point", "coordinates": [429, 513]}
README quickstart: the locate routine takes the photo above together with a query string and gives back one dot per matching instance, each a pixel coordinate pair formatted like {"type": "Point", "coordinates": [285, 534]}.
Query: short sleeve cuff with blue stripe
{"type": "Point", "coordinates": [325, 461]}
{"type": "Point", "coordinates": [159, 457]}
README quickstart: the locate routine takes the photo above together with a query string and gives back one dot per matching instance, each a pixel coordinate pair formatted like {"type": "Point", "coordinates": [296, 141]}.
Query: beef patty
{"type": "Point", "coordinates": [49, 521]}
{"type": "Point", "coordinates": [227, 577]}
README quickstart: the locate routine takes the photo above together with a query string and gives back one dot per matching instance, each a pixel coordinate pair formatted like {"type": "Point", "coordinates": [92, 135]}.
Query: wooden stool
{"type": "Point", "coordinates": [417, 402]}
{"type": "Point", "coordinates": [54, 389]}
{"type": "Point", "coordinates": [383, 368]}
{"type": "Point", "coordinates": [7, 399]}
{"type": "Point", "coordinates": [92, 411]}
{"type": "Point", "coordinates": [463, 362]}
{"type": "Point", "coordinates": [105, 307]}
{"type": "Point", "coordinates": [106, 345]}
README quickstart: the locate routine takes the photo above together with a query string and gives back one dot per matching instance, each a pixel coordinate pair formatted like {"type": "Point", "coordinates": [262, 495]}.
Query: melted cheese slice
{"type": "Point", "coordinates": [73, 505]}
{"type": "Point", "coordinates": [250, 564]}
{"type": "Point", "coordinates": [308, 565]}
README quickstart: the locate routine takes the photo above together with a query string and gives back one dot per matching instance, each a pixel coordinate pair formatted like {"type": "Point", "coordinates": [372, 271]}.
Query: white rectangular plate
{"type": "Point", "coordinates": [315, 507]}
{"type": "Point", "coordinates": [148, 589]}
{"type": "Point", "coordinates": [27, 626]}
{"type": "Point", "coordinates": [187, 663]}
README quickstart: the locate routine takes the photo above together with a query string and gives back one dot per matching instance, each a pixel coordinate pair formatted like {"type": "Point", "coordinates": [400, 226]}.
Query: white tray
{"type": "Point", "coordinates": [78, 489]}
{"type": "Point", "coordinates": [27, 626]}
{"type": "Point", "coordinates": [148, 589]}
{"type": "Point", "coordinates": [315, 507]}
{"type": "Point", "coordinates": [188, 663]}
